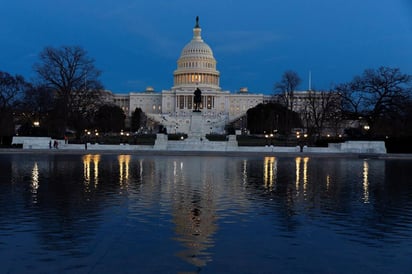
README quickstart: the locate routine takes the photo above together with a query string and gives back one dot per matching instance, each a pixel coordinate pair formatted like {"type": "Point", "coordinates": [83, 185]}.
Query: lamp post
{"type": "Point", "coordinates": [88, 136]}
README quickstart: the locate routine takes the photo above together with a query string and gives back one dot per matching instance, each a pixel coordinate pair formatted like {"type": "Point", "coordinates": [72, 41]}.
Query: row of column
{"type": "Point", "coordinates": [197, 78]}
{"type": "Point", "coordinates": [186, 102]}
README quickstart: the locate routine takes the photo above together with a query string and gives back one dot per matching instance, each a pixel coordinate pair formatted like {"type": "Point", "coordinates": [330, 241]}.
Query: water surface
{"type": "Point", "coordinates": [203, 214]}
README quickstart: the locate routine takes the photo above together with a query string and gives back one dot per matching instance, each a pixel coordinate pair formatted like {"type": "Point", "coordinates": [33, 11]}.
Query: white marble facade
{"type": "Point", "coordinates": [196, 68]}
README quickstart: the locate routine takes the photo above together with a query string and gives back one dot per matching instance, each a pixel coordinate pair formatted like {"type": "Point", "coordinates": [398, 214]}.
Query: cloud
{"type": "Point", "coordinates": [244, 41]}
{"type": "Point", "coordinates": [141, 32]}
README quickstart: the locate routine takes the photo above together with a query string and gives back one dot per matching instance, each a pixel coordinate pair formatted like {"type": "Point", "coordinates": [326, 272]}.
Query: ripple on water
{"type": "Point", "coordinates": [204, 212]}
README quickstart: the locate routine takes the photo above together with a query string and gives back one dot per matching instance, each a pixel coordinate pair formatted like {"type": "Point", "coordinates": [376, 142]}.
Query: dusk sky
{"type": "Point", "coordinates": [136, 43]}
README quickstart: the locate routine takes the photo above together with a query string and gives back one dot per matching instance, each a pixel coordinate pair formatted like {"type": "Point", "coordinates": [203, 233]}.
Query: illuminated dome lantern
{"type": "Point", "coordinates": [196, 66]}
{"type": "Point", "coordinates": [182, 109]}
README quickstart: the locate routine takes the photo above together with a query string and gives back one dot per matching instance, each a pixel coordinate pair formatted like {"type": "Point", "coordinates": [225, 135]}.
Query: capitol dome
{"type": "Point", "coordinates": [196, 66]}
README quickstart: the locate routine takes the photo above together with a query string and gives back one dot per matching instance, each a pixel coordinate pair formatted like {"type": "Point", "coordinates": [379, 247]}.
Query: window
{"type": "Point", "coordinates": [189, 102]}
{"type": "Point", "coordinates": [181, 102]}
{"type": "Point", "coordinates": [210, 102]}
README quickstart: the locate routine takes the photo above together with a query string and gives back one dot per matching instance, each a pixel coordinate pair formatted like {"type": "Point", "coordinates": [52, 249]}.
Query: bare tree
{"type": "Point", "coordinates": [376, 95]}
{"type": "Point", "coordinates": [321, 110]}
{"type": "Point", "coordinates": [285, 92]}
{"type": "Point", "coordinates": [71, 74]}
{"type": "Point", "coordinates": [12, 89]}
{"type": "Point", "coordinates": [286, 88]}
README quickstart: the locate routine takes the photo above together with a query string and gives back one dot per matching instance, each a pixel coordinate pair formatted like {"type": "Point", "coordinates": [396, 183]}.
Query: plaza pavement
{"type": "Point", "coordinates": [76, 151]}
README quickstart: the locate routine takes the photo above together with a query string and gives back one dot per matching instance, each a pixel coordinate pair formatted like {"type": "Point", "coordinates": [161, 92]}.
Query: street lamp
{"type": "Point", "coordinates": [269, 138]}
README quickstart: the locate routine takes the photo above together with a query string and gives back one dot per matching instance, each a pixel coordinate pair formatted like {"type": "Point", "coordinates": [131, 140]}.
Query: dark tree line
{"type": "Point", "coordinates": [72, 76]}
{"type": "Point", "coordinates": [270, 118]}
{"type": "Point", "coordinates": [66, 97]}
{"type": "Point", "coordinates": [382, 97]}
{"type": "Point", "coordinates": [286, 88]}
{"type": "Point", "coordinates": [137, 119]}
{"type": "Point", "coordinates": [109, 118]}
{"type": "Point", "coordinates": [12, 89]}
{"type": "Point", "coordinates": [380, 100]}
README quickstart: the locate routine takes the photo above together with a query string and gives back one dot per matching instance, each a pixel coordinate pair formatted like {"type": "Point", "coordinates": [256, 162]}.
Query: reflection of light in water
{"type": "Point", "coordinates": [124, 161]}
{"type": "Point", "coordinates": [365, 182]}
{"type": "Point", "coordinates": [87, 160]}
{"type": "Point", "coordinates": [244, 172]}
{"type": "Point", "coordinates": [298, 162]}
{"type": "Point", "coordinates": [96, 160]}
{"type": "Point", "coordinates": [305, 174]}
{"type": "Point", "coordinates": [195, 221]}
{"type": "Point", "coordinates": [270, 169]}
{"type": "Point", "coordinates": [141, 169]}
{"type": "Point", "coordinates": [34, 181]}
{"type": "Point", "coordinates": [327, 182]}
{"type": "Point", "coordinates": [86, 169]}
{"type": "Point", "coordinates": [178, 170]}
{"type": "Point", "coordinates": [174, 168]}
{"type": "Point", "coordinates": [194, 210]}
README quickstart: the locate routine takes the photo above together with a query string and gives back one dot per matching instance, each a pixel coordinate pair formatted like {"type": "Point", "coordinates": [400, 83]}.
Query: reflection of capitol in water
{"type": "Point", "coordinates": [191, 189]}
{"type": "Point", "coordinates": [196, 193]}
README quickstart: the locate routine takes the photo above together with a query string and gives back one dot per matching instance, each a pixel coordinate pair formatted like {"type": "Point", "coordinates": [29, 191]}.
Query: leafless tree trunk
{"type": "Point", "coordinates": [71, 74]}
{"type": "Point", "coordinates": [323, 107]}
{"type": "Point", "coordinates": [376, 94]}
{"type": "Point", "coordinates": [11, 89]}
{"type": "Point", "coordinates": [286, 88]}
{"type": "Point", "coordinates": [284, 91]}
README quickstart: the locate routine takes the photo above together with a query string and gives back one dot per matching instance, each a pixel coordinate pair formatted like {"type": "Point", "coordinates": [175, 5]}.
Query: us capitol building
{"type": "Point", "coordinates": [174, 108]}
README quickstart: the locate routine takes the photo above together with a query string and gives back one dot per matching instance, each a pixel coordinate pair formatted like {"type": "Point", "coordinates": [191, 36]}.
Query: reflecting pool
{"type": "Point", "coordinates": [203, 214]}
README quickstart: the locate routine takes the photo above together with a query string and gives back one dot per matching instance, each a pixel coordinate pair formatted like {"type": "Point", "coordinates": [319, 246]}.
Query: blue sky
{"type": "Point", "coordinates": [137, 43]}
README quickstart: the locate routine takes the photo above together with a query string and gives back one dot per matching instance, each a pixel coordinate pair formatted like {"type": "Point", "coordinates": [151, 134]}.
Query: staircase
{"type": "Point", "coordinates": [196, 126]}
